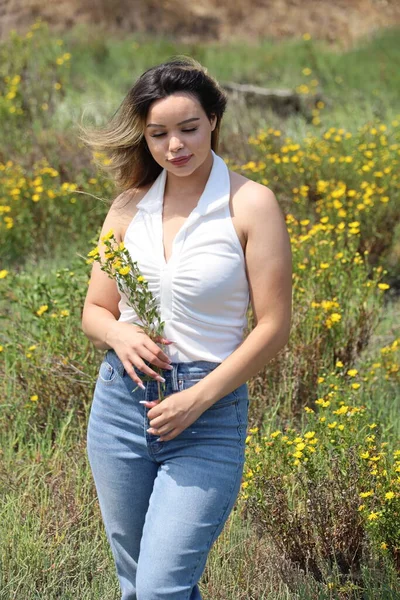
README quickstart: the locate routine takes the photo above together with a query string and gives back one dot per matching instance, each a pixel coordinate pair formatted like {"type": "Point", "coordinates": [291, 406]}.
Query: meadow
{"type": "Point", "coordinates": [318, 515]}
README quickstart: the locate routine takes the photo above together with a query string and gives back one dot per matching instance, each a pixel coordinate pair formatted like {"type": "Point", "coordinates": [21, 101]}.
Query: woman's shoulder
{"type": "Point", "coordinates": [243, 187]}
{"type": "Point", "coordinates": [127, 200]}
{"type": "Point", "coordinates": [250, 198]}
{"type": "Point", "coordinates": [124, 208]}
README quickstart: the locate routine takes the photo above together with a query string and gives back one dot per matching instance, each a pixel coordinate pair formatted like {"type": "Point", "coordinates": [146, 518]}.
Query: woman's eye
{"type": "Point", "coordinates": [183, 130]}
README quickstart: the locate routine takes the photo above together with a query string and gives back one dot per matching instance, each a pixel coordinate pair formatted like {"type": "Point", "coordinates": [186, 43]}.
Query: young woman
{"type": "Point", "coordinates": [208, 240]}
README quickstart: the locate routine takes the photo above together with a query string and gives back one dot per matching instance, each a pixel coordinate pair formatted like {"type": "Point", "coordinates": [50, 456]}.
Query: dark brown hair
{"type": "Point", "coordinates": [122, 141]}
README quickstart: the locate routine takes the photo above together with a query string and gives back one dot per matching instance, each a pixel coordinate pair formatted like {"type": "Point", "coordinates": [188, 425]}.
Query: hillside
{"type": "Point", "coordinates": [335, 21]}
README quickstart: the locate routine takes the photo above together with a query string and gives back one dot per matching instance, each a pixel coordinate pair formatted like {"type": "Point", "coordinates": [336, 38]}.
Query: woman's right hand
{"type": "Point", "coordinates": [133, 346]}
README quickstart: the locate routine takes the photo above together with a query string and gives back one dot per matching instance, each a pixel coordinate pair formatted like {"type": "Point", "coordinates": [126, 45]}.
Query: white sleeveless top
{"type": "Point", "coordinates": [202, 292]}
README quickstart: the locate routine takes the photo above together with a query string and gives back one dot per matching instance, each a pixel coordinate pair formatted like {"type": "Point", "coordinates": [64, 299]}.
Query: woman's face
{"type": "Point", "coordinates": [177, 126]}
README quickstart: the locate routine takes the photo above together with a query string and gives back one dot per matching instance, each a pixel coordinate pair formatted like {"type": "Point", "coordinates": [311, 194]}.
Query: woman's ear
{"type": "Point", "coordinates": [213, 122]}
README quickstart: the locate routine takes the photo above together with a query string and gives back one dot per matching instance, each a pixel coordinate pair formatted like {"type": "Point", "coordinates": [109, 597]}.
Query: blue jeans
{"type": "Point", "coordinates": [163, 503]}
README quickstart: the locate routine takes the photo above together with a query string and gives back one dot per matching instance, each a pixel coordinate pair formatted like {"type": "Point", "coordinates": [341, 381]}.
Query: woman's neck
{"type": "Point", "coordinates": [190, 186]}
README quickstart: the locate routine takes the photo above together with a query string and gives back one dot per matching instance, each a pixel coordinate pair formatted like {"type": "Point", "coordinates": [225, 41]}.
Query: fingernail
{"type": "Point", "coordinates": [141, 386]}
{"type": "Point", "coordinates": [142, 401]}
{"type": "Point", "coordinates": [160, 379]}
{"type": "Point", "coordinates": [159, 440]}
{"type": "Point", "coordinates": [169, 367]}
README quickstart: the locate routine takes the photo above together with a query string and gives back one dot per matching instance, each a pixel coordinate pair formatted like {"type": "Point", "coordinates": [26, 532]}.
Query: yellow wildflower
{"type": "Point", "coordinates": [42, 309]}
{"type": "Point", "coordinates": [373, 516]}
{"type": "Point", "coordinates": [389, 495]}
{"type": "Point", "coordinates": [3, 273]}
{"type": "Point", "coordinates": [335, 317]}
{"type": "Point", "coordinates": [352, 372]}
{"type": "Point", "coordinates": [341, 411]}
{"type": "Point", "coordinates": [140, 278]}
{"type": "Point", "coordinates": [124, 270]}
{"type": "Point", "coordinates": [34, 398]}
{"type": "Point", "coordinates": [107, 236]}
{"type": "Point", "coordinates": [275, 433]}
{"type": "Point", "coordinates": [366, 494]}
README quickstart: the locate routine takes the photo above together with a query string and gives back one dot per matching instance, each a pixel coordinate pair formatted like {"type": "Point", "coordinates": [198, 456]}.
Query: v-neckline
{"type": "Point", "coordinates": [216, 193]}
{"type": "Point", "coordinates": [178, 233]}
{"type": "Point", "coordinates": [194, 213]}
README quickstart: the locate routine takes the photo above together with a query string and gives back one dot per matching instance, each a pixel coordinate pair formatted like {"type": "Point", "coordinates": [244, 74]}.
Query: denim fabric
{"type": "Point", "coordinates": [163, 503]}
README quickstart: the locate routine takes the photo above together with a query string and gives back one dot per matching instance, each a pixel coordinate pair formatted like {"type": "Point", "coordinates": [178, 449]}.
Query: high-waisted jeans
{"type": "Point", "coordinates": [163, 503]}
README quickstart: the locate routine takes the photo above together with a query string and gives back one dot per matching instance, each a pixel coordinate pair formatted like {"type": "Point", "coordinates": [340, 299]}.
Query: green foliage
{"type": "Point", "coordinates": [34, 70]}
{"type": "Point", "coordinates": [324, 423]}
{"type": "Point", "coordinates": [47, 364]}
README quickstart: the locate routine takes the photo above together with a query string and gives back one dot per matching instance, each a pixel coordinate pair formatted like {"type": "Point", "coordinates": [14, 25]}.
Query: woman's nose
{"type": "Point", "coordinates": [175, 144]}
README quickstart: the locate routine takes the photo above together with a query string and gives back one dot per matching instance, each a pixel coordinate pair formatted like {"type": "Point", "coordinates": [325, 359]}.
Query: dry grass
{"type": "Point", "coordinates": [340, 22]}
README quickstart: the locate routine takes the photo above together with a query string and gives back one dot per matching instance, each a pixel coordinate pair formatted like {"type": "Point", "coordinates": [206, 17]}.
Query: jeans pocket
{"type": "Point", "coordinates": [107, 373]}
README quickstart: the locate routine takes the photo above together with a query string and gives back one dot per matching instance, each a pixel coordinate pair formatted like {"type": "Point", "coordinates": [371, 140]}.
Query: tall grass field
{"type": "Point", "coordinates": [318, 514]}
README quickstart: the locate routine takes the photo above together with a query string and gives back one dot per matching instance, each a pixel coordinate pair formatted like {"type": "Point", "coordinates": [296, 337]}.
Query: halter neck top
{"type": "Point", "coordinates": [202, 292]}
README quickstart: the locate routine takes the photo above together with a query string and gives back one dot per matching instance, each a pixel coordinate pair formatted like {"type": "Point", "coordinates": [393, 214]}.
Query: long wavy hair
{"type": "Point", "coordinates": [122, 141]}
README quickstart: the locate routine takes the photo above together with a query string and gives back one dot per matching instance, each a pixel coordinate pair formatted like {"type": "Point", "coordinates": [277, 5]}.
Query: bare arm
{"type": "Point", "coordinates": [100, 310]}
{"type": "Point", "coordinates": [100, 315]}
{"type": "Point", "coordinates": [269, 268]}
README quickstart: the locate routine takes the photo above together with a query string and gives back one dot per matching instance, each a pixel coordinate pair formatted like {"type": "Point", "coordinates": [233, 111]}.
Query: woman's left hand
{"type": "Point", "coordinates": [169, 417]}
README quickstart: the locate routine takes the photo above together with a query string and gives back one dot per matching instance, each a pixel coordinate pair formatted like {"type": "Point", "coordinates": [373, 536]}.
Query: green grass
{"type": "Point", "coordinates": [359, 84]}
{"type": "Point", "coordinates": [52, 541]}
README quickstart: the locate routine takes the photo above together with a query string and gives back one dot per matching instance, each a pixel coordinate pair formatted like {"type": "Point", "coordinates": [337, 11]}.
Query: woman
{"type": "Point", "coordinates": [207, 240]}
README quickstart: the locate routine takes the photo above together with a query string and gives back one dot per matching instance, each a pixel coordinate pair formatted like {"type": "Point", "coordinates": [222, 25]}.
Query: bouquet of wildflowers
{"type": "Point", "coordinates": [119, 265]}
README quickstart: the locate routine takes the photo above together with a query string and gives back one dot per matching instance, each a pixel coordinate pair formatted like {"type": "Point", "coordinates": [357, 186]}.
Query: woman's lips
{"type": "Point", "coordinates": [181, 161]}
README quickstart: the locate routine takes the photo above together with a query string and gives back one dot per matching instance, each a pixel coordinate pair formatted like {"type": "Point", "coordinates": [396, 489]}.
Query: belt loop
{"type": "Point", "coordinates": [174, 379]}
